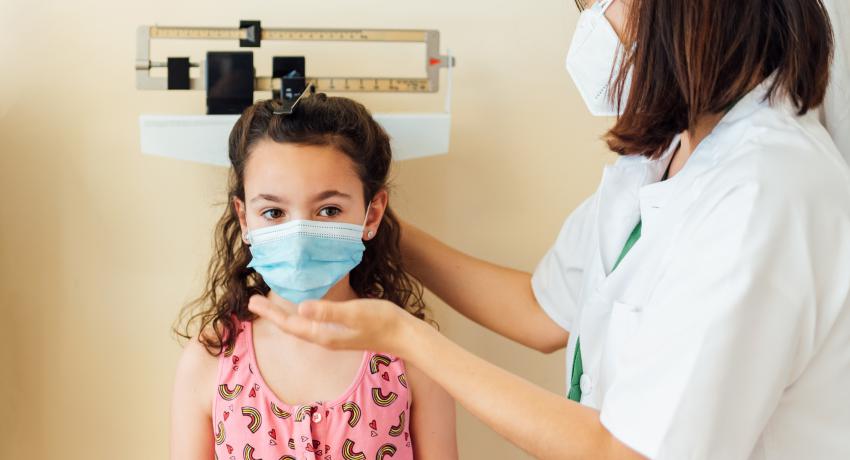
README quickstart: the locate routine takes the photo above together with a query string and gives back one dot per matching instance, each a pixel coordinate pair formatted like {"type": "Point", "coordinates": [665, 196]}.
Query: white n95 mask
{"type": "Point", "coordinates": [594, 57]}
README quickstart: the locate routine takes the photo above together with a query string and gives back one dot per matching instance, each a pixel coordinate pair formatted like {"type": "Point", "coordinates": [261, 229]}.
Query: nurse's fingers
{"type": "Point", "coordinates": [343, 313]}
{"type": "Point", "coordinates": [289, 323]}
{"type": "Point", "coordinates": [264, 307]}
{"type": "Point", "coordinates": [325, 334]}
{"type": "Point", "coordinates": [357, 324]}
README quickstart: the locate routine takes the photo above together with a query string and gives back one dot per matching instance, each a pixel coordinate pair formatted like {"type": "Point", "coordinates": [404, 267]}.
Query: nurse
{"type": "Point", "coordinates": [702, 292]}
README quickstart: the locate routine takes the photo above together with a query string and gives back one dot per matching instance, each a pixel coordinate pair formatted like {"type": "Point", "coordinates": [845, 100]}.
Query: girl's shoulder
{"type": "Point", "coordinates": [202, 358]}
{"type": "Point", "coordinates": [197, 367]}
{"type": "Point", "coordinates": [204, 345]}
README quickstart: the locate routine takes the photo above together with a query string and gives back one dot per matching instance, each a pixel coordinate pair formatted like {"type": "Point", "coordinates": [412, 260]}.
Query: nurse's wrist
{"type": "Point", "coordinates": [411, 337]}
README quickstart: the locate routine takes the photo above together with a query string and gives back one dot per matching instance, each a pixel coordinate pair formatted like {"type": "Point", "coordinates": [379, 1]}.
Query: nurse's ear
{"type": "Point", "coordinates": [239, 209]}
{"type": "Point", "coordinates": [376, 214]}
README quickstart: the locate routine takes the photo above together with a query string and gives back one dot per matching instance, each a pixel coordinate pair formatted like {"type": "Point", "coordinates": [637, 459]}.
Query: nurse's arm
{"type": "Point", "coordinates": [544, 424]}
{"type": "Point", "coordinates": [498, 298]}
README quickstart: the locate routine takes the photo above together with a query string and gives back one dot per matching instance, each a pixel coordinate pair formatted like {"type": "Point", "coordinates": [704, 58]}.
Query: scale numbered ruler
{"type": "Point", "coordinates": [433, 60]}
{"type": "Point", "coordinates": [356, 35]}
{"type": "Point", "coordinates": [354, 84]}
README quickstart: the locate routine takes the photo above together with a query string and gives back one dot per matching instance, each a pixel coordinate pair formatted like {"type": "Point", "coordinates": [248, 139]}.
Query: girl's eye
{"type": "Point", "coordinates": [272, 214]}
{"type": "Point", "coordinates": [330, 211]}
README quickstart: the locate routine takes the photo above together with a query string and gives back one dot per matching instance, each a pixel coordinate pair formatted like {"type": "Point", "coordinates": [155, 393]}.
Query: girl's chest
{"type": "Point", "coordinates": [296, 377]}
{"type": "Point", "coordinates": [371, 419]}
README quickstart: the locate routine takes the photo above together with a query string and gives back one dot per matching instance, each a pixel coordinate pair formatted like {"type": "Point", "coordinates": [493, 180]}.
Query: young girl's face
{"type": "Point", "coordinates": [285, 182]}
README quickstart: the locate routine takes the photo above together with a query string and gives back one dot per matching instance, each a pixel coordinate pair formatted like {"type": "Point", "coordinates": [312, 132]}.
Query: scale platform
{"type": "Point", "coordinates": [203, 138]}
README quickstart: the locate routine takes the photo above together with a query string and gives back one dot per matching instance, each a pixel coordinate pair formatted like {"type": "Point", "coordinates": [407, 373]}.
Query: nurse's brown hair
{"type": "Point", "coordinates": [689, 58]}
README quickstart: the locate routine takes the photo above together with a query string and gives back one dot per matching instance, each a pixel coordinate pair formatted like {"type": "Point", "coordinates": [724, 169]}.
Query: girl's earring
{"type": "Point", "coordinates": [369, 234]}
{"type": "Point", "coordinates": [245, 238]}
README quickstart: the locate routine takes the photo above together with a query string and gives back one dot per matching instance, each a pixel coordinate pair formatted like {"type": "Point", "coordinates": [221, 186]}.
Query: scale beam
{"type": "Point", "coordinates": [253, 35]}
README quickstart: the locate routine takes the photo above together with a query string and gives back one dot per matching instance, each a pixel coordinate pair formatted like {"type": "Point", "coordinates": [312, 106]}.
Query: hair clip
{"type": "Point", "coordinates": [290, 99]}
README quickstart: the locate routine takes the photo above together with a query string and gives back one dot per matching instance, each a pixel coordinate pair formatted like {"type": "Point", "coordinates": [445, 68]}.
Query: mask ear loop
{"type": "Point", "coordinates": [366, 219]}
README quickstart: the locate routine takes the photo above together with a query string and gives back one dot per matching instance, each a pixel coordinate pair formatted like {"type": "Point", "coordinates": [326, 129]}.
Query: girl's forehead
{"type": "Point", "coordinates": [299, 170]}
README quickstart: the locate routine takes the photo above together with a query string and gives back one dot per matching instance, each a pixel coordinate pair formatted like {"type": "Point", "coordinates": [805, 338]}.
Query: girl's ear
{"type": "Point", "coordinates": [376, 214]}
{"type": "Point", "coordinates": [239, 207]}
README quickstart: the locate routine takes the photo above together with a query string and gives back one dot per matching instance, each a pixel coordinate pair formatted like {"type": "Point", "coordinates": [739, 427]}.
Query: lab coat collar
{"type": "Point", "coordinates": [619, 200]}
{"type": "Point", "coordinates": [752, 101]}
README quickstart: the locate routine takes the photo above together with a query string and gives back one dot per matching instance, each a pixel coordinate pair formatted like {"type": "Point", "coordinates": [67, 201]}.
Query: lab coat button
{"type": "Point", "coordinates": [586, 384]}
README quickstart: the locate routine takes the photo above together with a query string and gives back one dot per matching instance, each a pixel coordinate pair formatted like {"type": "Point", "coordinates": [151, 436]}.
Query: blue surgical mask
{"type": "Point", "coordinates": [301, 260]}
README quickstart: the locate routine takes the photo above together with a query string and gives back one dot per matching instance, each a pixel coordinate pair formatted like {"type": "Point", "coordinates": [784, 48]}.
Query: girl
{"type": "Point", "coordinates": [308, 218]}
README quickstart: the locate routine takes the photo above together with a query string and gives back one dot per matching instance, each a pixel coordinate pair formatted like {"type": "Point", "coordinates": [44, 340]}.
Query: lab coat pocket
{"type": "Point", "coordinates": [622, 326]}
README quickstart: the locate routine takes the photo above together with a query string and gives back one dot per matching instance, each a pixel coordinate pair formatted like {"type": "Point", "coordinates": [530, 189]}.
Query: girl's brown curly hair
{"type": "Point", "coordinates": [317, 120]}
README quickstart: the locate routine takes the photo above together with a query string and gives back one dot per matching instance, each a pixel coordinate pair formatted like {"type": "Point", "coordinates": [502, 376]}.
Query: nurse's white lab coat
{"type": "Point", "coordinates": [725, 332]}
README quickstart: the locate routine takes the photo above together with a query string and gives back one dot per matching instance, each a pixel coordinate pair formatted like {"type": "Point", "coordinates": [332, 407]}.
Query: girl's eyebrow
{"type": "Point", "coordinates": [267, 197]}
{"type": "Point", "coordinates": [331, 194]}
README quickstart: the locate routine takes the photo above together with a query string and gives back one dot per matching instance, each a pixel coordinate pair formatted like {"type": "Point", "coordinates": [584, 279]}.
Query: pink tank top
{"type": "Point", "coordinates": [370, 420]}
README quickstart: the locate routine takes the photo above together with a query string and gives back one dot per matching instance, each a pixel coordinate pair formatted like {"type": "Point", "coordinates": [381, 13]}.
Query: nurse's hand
{"type": "Point", "coordinates": [362, 324]}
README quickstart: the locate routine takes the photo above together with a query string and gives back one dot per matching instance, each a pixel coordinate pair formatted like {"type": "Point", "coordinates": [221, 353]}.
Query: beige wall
{"type": "Point", "coordinates": [100, 245]}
